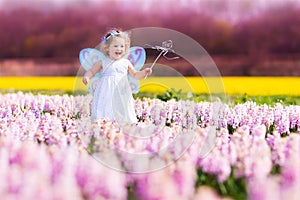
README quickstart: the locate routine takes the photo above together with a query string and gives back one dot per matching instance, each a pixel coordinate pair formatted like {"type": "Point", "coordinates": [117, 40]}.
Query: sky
{"type": "Point", "coordinates": [227, 9]}
{"type": "Point", "coordinates": [146, 3]}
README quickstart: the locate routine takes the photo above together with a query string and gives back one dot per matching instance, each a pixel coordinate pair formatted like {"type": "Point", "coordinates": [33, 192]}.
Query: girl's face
{"type": "Point", "coordinates": [116, 49]}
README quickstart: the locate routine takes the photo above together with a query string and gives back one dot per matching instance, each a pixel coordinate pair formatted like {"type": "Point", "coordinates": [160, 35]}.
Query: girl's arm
{"type": "Point", "coordinates": [138, 74]}
{"type": "Point", "coordinates": [90, 73]}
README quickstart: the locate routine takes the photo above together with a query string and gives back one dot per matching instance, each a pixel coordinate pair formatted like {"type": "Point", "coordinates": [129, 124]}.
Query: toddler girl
{"type": "Point", "coordinates": [112, 96]}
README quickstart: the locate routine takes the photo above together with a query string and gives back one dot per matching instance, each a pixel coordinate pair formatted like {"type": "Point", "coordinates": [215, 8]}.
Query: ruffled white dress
{"type": "Point", "coordinates": [113, 97]}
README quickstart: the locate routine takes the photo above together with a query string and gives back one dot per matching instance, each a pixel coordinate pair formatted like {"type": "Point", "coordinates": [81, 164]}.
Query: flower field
{"type": "Point", "coordinates": [181, 149]}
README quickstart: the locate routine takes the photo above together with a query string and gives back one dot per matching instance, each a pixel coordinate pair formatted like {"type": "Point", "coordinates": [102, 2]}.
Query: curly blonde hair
{"type": "Point", "coordinates": [108, 38]}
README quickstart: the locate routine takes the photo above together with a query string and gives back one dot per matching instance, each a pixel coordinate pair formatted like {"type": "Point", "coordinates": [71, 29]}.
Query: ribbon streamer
{"type": "Point", "coordinates": [165, 48]}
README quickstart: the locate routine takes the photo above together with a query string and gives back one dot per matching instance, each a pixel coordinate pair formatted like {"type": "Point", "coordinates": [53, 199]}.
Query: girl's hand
{"type": "Point", "coordinates": [148, 71]}
{"type": "Point", "coordinates": [90, 73]}
{"type": "Point", "coordinates": [85, 80]}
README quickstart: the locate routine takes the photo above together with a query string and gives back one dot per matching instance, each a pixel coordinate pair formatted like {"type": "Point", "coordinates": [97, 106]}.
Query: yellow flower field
{"type": "Point", "coordinates": [228, 85]}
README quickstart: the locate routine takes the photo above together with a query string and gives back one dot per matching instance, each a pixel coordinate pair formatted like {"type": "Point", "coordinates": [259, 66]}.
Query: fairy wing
{"type": "Point", "coordinates": [137, 57]}
{"type": "Point", "coordinates": [88, 57]}
{"type": "Point", "coordinates": [93, 83]}
{"type": "Point", "coordinates": [134, 84]}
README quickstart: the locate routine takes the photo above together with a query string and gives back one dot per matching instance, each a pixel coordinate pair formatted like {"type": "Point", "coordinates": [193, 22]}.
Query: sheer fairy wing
{"type": "Point", "coordinates": [134, 84]}
{"type": "Point", "coordinates": [137, 57]}
{"type": "Point", "coordinates": [93, 83]}
{"type": "Point", "coordinates": [88, 57]}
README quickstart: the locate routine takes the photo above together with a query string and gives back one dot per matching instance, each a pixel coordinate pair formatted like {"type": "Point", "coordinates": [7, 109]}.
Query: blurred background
{"type": "Point", "coordinates": [244, 38]}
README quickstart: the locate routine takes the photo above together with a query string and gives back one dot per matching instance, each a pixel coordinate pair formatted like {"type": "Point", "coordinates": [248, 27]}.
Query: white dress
{"type": "Point", "coordinates": [113, 97]}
